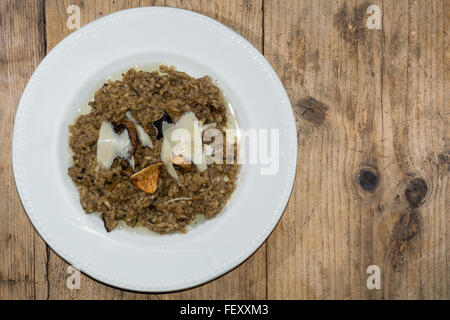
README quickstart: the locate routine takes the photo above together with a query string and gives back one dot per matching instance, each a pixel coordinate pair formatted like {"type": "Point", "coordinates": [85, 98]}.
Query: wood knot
{"type": "Point", "coordinates": [311, 109]}
{"type": "Point", "coordinates": [415, 192]}
{"type": "Point", "coordinates": [368, 180]}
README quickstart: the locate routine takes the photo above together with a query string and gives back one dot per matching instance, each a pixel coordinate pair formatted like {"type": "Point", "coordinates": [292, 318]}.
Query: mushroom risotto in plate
{"type": "Point", "coordinates": [126, 166]}
{"type": "Point", "coordinates": [125, 163]}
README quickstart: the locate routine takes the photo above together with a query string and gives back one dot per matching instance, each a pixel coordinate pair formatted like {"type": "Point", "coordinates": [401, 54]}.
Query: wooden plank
{"type": "Point", "coordinates": [21, 251]}
{"type": "Point", "coordinates": [380, 104]}
{"type": "Point", "coordinates": [413, 91]}
{"type": "Point", "coordinates": [444, 158]}
{"type": "Point", "coordinates": [385, 113]}
{"type": "Point", "coordinates": [248, 281]}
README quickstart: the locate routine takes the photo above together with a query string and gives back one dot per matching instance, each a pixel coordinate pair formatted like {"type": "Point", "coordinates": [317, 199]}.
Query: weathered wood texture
{"type": "Point", "coordinates": [384, 96]}
{"type": "Point", "coordinates": [372, 176]}
{"type": "Point", "coordinates": [22, 251]}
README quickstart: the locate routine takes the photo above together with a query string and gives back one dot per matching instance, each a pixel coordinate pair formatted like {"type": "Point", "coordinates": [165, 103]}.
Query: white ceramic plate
{"type": "Point", "coordinates": [68, 77]}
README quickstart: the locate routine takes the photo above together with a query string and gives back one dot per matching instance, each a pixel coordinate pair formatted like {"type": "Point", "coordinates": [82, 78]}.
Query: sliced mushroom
{"type": "Point", "coordinates": [159, 123]}
{"type": "Point", "coordinates": [147, 178]}
{"type": "Point", "coordinates": [110, 144]}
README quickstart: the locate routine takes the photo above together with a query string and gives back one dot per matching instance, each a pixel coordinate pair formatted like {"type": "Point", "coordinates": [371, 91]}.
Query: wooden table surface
{"type": "Point", "coordinates": [373, 161]}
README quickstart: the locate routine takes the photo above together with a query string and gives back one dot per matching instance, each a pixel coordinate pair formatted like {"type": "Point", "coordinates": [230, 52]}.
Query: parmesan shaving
{"type": "Point", "coordinates": [183, 138]}
{"type": "Point", "coordinates": [111, 145]}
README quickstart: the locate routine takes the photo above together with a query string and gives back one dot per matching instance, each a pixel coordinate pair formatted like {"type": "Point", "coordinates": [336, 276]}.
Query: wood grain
{"type": "Point", "coordinates": [22, 252]}
{"type": "Point", "coordinates": [372, 176]}
{"type": "Point", "coordinates": [385, 114]}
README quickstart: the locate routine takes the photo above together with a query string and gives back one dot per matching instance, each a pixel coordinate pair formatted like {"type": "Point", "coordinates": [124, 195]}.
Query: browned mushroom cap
{"type": "Point", "coordinates": [132, 133]}
{"type": "Point", "coordinates": [147, 178]}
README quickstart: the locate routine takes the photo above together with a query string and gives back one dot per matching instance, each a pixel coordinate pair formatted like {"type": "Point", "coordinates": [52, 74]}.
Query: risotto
{"type": "Point", "coordinates": [131, 181]}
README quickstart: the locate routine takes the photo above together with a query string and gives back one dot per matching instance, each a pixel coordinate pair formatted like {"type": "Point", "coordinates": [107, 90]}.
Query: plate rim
{"type": "Point", "coordinates": [246, 251]}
